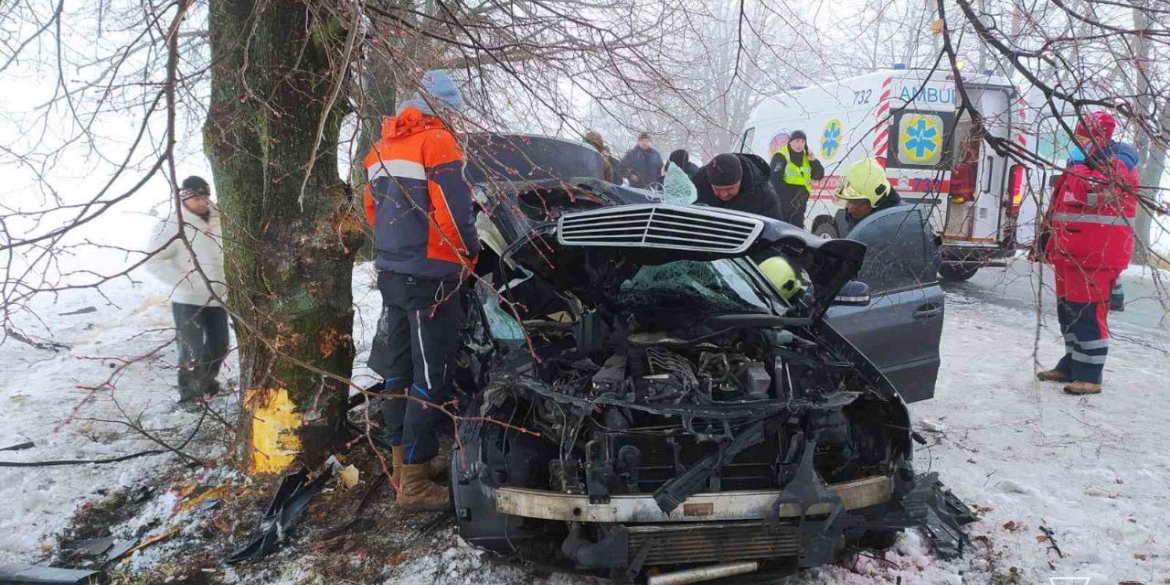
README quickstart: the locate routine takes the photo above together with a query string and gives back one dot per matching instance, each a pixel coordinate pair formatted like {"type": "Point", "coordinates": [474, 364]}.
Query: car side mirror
{"type": "Point", "coordinates": [854, 294]}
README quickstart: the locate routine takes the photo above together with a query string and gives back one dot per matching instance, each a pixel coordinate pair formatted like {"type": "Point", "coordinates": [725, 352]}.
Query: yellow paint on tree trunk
{"type": "Point", "coordinates": [275, 424]}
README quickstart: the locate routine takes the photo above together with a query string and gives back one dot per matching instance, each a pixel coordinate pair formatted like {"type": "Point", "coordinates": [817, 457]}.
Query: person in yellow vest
{"type": "Point", "coordinates": [794, 168]}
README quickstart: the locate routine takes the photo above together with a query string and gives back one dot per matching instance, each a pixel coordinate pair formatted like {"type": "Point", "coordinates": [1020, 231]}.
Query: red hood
{"type": "Point", "coordinates": [407, 122]}
{"type": "Point", "coordinates": [1098, 126]}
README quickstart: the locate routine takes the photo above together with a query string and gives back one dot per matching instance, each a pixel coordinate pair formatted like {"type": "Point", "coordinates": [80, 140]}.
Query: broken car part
{"type": "Point", "coordinates": [19, 446]}
{"type": "Point", "coordinates": [21, 574]}
{"type": "Point", "coordinates": [292, 497]}
{"type": "Point", "coordinates": [708, 507]}
{"type": "Point", "coordinates": [703, 574]}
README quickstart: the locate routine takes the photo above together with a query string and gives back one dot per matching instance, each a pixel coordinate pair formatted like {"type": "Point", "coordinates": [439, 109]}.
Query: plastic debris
{"type": "Point", "coordinates": [81, 311]}
{"type": "Point", "coordinates": [21, 573]}
{"type": "Point", "coordinates": [121, 549]}
{"type": "Point", "coordinates": [197, 499]}
{"type": "Point", "coordinates": [292, 497]}
{"type": "Point", "coordinates": [19, 446]}
{"type": "Point", "coordinates": [152, 540]}
{"type": "Point", "coordinates": [208, 504]}
{"type": "Point", "coordinates": [94, 547]}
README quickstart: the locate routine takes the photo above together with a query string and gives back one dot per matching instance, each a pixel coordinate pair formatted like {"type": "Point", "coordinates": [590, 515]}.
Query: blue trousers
{"type": "Point", "coordinates": [1082, 307]}
{"type": "Point", "coordinates": [417, 339]}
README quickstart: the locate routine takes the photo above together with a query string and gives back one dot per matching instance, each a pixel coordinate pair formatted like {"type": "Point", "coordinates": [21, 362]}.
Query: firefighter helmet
{"type": "Point", "coordinates": [864, 179]}
{"type": "Point", "coordinates": [780, 272]}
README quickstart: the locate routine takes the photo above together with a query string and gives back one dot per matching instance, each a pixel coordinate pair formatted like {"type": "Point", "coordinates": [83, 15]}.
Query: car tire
{"type": "Point", "coordinates": [957, 272]}
{"type": "Point", "coordinates": [826, 230]}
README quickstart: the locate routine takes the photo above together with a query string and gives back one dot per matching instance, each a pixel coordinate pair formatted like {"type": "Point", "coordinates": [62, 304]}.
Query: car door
{"type": "Point", "coordinates": [901, 327]}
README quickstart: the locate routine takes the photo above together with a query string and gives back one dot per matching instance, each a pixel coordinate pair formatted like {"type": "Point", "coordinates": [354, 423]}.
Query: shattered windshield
{"type": "Point", "coordinates": [708, 287]}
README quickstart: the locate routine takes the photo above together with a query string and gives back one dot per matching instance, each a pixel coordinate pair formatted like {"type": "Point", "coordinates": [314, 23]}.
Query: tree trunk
{"type": "Point", "coordinates": [288, 256]}
{"type": "Point", "coordinates": [1151, 152]}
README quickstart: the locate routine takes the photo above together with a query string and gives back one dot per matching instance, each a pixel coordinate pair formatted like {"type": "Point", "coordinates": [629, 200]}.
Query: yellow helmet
{"type": "Point", "coordinates": [780, 272]}
{"type": "Point", "coordinates": [864, 179]}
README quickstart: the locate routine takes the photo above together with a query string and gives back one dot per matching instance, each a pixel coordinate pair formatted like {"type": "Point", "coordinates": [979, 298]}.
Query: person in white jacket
{"type": "Point", "coordinates": [200, 318]}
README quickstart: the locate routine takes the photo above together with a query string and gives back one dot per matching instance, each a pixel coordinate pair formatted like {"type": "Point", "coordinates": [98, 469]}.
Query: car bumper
{"type": "Point", "coordinates": [710, 507]}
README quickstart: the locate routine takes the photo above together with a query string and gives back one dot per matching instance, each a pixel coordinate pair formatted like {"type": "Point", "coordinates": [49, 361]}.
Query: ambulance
{"type": "Point", "coordinates": [908, 120]}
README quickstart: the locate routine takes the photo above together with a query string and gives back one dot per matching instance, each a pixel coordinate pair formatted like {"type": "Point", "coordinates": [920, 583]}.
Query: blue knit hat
{"type": "Point", "coordinates": [439, 89]}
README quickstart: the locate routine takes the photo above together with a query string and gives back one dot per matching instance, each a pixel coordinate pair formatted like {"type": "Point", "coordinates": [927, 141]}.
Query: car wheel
{"type": "Point", "coordinates": [957, 272]}
{"type": "Point", "coordinates": [826, 230]}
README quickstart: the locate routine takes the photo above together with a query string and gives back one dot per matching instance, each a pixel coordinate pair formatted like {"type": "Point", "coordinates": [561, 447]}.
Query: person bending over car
{"type": "Point", "coordinates": [738, 182]}
{"type": "Point", "coordinates": [419, 204]}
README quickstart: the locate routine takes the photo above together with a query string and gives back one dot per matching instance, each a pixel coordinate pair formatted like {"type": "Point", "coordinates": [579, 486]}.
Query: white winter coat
{"type": "Point", "coordinates": [174, 266]}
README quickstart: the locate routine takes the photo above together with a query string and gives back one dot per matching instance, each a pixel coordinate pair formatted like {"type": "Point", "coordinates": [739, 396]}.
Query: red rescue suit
{"type": "Point", "coordinates": [1091, 216]}
{"type": "Point", "coordinates": [1089, 242]}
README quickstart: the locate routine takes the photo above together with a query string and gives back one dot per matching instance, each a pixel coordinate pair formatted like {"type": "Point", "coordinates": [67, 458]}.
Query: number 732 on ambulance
{"type": "Point", "coordinates": [934, 157]}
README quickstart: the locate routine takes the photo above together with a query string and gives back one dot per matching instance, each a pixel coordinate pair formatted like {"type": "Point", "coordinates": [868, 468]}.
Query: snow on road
{"type": "Point", "coordinates": [1093, 470]}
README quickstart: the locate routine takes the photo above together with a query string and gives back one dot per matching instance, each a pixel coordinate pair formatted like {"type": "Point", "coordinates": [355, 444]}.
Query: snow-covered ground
{"type": "Point", "coordinates": [1093, 470]}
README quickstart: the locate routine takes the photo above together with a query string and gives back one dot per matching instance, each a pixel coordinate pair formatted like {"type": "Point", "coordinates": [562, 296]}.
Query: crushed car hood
{"type": "Point", "coordinates": [607, 232]}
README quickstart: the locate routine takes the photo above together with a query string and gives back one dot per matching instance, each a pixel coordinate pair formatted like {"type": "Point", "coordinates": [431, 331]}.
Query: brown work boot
{"type": "Point", "coordinates": [397, 458]}
{"type": "Point", "coordinates": [437, 466]}
{"type": "Point", "coordinates": [419, 492]}
{"type": "Point", "coordinates": [1053, 376]}
{"type": "Point", "coordinates": [1082, 388]}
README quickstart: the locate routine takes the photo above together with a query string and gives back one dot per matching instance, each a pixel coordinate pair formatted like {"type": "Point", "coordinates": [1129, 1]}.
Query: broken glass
{"type": "Point", "coordinates": [707, 287]}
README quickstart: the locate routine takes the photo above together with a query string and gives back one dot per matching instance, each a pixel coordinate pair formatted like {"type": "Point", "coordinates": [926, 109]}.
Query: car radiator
{"type": "Point", "coordinates": [711, 542]}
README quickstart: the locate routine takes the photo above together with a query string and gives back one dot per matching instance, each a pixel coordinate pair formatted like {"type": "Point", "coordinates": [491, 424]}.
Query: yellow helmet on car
{"type": "Point", "coordinates": [864, 179]}
{"type": "Point", "coordinates": [780, 272]}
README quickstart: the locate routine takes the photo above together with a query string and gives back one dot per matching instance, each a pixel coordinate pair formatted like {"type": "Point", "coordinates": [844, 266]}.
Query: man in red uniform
{"type": "Point", "coordinates": [1089, 239]}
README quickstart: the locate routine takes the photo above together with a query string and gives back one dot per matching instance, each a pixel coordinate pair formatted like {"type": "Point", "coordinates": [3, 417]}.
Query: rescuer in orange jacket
{"type": "Point", "coordinates": [1088, 239]}
{"type": "Point", "coordinates": [420, 206]}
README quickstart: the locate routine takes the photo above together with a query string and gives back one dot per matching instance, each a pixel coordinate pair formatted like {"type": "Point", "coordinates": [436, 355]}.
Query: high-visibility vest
{"type": "Point", "coordinates": [801, 175]}
{"type": "Point", "coordinates": [1091, 217]}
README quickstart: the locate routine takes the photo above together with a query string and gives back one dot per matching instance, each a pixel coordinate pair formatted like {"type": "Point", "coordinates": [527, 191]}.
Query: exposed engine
{"type": "Point", "coordinates": [635, 411]}
{"type": "Point", "coordinates": [652, 374]}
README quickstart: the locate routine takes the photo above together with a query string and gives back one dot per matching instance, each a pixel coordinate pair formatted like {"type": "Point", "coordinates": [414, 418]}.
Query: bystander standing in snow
{"type": "Point", "coordinates": [642, 165]}
{"type": "Point", "coordinates": [194, 272]}
{"type": "Point", "coordinates": [794, 168]}
{"type": "Point", "coordinates": [681, 159]}
{"type": "Point", "coordinates": [593, 138]}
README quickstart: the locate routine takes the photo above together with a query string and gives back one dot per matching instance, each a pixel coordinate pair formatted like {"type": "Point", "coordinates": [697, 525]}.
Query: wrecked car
{"type": "Point", "coordinates": [639, 395]}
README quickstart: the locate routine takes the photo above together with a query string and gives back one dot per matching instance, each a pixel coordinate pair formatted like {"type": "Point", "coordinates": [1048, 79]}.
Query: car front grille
{"type": "Point", "coordinates": [715, 542]}
{"type": "Point", "coordinates": [660, 226]}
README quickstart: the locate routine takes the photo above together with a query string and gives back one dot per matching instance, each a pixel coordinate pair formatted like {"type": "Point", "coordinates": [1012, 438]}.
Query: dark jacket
{"type": "Point", "coordinates": [755, 191]}
{"type": "Point", "coordinates": [647, 164]}
{"type": "Point", "coordinates": [793, 198]}
{"type": "Point", "coordinates": [418, 200]}
{"type": "Point", "coordinates": [891, 200]}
